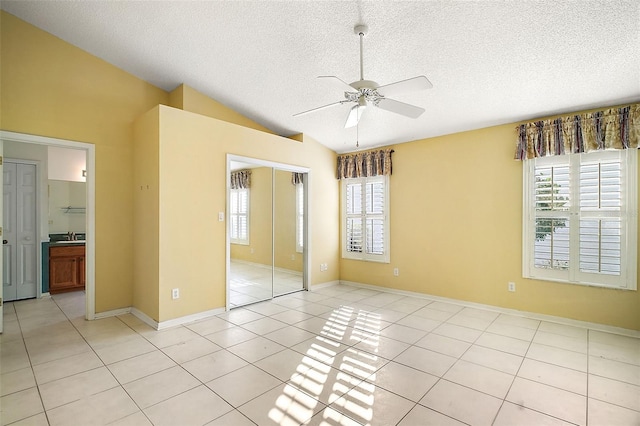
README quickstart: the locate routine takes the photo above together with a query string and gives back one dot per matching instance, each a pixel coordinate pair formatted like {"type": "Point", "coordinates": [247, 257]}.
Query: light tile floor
{"type": "Point", "coordinates": [335, 356]}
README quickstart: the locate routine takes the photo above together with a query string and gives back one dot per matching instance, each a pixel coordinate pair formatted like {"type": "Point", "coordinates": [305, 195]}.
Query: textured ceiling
{"type": "Point", "coordinates": [490, 62]}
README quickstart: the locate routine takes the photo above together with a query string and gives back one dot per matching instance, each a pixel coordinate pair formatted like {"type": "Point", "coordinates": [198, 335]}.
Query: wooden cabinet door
{"type": "Point", "coordinates": [81, 272]}
{"type": "Point", "coordinates": [66, 268]}
{"type": "Point", "coordinates": [63, 273]}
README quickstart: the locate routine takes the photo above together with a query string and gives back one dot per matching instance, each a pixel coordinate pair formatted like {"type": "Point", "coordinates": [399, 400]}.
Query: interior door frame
{"type": "Point", "coordinates": [90, 244]}
{"type": "Point", "coordinates": [307, 216]}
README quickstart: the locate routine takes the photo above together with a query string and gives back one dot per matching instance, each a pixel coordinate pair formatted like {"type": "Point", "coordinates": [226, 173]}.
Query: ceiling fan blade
{"type": "Point", "coordinates": [320, 108]}
{"type": "Point", "coordinates": [338, 83]}
{"type": "Point", "coordinates": [410, 85]}
{"type": "Point", "coordinates": [400, 108]}
{"type": "Point", "coordinates": [354, 116]}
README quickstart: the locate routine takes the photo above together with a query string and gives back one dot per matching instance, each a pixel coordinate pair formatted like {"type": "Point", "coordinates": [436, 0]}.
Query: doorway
{"type": "Point", "coordinates": [266, 230]}
{"type": "Point", "coordinates": [89, 149]}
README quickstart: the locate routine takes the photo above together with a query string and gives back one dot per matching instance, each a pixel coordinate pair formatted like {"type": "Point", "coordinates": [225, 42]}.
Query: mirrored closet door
{"type": "Point", "coordinates": [266, 230]}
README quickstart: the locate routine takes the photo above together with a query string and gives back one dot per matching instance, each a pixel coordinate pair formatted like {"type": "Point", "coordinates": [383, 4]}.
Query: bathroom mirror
{"type": "Point", "coordinates": [67, 207]}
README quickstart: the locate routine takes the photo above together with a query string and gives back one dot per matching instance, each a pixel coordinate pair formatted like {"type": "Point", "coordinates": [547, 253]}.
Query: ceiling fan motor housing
{"type": "Point", "coordinates": [365, 90]}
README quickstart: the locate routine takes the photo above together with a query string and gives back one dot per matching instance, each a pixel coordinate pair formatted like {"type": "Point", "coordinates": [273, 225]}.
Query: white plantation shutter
{"type": "Point", "coordinates": [375, 206]}
{"type": "Point", "coordinates": [365, 218]}
{"type": "Point", "coordinates": [601, 208]}
{"type": "Point", "coordinates": [239, 215]}
{"type": "Point", "coordinates": [354, 231]}
{"type": "Point", "coordinates": [580, 218]}
{"type": "Point", "coordinates": [551, 211]}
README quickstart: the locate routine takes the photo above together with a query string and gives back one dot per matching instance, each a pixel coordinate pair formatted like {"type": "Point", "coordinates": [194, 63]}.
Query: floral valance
{"type": "Point", "coordinates": [613, 128]}
{"type": "Point", "coordinates": [296, 178]}
{"type": "Point", "coordinates": [364, 164]}
{"type": "Point", "coordinates": [241, 179]}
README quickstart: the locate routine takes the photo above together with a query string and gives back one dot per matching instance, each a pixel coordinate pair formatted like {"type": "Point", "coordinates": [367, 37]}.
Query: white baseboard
{"type": "Point", "coordinates": [533, 315]}
{"type": "Point", "coordinates": [113, 313]}
{"type": "Point", "coordinates": [176, 321]}
{"type": "Point", "coordinates": [144, 318]}
{"type": "Point", "coordinates": [324, 285]}
{"type": "Point", "coordinates": [190, 318]}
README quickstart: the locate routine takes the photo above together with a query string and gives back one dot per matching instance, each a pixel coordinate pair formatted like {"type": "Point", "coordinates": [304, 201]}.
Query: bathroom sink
{"type": "Point", "coordinates": [67, 242]}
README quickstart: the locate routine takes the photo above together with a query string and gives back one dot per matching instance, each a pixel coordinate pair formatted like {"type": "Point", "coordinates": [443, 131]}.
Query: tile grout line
{"type": "Point", "coordinates": [103, 364]}
{"type": "Point", "coordinates": [516, 373]}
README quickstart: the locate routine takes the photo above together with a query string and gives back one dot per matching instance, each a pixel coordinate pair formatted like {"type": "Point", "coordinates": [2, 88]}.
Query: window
{"type": "Point", "coordinates": [239, 211]}
{"type": "Point", "coordinates": [299, 217]}
{"type": "Point", "coordinates": [580, 218]}
{"type": "Point", "coordinates": [365, 218]}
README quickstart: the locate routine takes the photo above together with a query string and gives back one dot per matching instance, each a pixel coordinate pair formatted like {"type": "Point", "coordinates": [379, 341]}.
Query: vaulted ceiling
{"type": "Point", "coordinates": [490, 62]}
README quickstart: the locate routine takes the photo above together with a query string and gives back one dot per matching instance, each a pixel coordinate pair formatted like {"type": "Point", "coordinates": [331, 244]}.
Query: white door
{"type": "Point", "coordinates": [1, 214]}
{"type": "Point", "coordinates": [20, 254]}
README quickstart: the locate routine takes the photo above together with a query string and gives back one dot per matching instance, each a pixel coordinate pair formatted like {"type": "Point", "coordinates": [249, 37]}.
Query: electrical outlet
{"type": "Point", "coordinates": [175, 293]}
{"type": "Point", "coordinates": [252, 250]}
{"type": "Point", "coordinates": [511, 286]}
{"type": "Point", "coordinates": [293, 257]}
{"type": "Point", "coordinates": [323, 267]}
{"type": "Point", "coordinates": [396, 272]}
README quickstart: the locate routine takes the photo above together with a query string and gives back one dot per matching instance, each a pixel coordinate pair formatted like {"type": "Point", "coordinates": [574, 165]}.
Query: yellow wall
{"type": "Point", "coordinates": [260, 219]}
{"type": "Point", "coordinates": [456, 232]}
{"type": "Point", "coordinates": [192, 242]}
{"type": "Point", "coordinates": [146, 217]}
{"type": "Point", "coordinates": [51, 88]}
{"type": "Point", "coordinates": [189, 99]}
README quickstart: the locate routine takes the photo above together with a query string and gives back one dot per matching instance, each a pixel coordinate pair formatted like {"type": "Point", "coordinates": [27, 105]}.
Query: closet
{"type": "Point", "coordinates": [266, 228]}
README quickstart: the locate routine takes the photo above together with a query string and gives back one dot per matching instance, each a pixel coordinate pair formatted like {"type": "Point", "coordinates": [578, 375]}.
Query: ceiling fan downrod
{"type": "Point", "coordinates": [361, 30]}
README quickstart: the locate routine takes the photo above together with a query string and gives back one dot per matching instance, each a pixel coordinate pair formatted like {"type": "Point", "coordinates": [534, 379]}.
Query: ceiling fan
{"type": "Point", "coordinates": [364, 93]}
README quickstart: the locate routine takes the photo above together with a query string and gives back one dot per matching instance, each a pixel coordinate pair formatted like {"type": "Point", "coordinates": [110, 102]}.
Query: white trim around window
{"type": "Point", "coordinates": [365, 219]}
{"type": "Point", "coordinates": [580, 215]}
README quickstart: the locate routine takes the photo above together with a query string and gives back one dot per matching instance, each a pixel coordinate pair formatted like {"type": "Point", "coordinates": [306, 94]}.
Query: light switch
{"type": "Point", "coordinates": [220, 216]}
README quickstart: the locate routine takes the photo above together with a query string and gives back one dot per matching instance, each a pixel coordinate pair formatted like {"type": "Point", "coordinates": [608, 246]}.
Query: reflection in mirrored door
{"type": "Point", "coordinates": [288, 223]}
{"type": "Point", "coordinates": [266, 219]}
{"type": "Point", "coordinates": [250, 232]}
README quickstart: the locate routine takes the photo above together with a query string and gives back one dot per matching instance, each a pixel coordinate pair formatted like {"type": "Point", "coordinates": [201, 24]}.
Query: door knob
{"type": "Point", "coordinates": [5, 242]}
{"type": "Point", "coordinates": [27, 238]}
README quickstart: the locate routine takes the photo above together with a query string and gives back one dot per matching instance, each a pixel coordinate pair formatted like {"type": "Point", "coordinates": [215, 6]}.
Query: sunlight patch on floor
{"type": "Point", "coordinates": [342, 384]}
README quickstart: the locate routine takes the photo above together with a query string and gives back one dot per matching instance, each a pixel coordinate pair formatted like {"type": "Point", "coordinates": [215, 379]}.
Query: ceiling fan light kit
{"type": "Point", "coordinates": [363, 92]}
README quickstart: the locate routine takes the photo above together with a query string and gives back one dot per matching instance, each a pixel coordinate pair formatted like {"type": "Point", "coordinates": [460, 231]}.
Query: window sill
{"type": "Point", "coordinates": [581, 284]}
{"type": "Point", "coordinates": [360, 259]}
